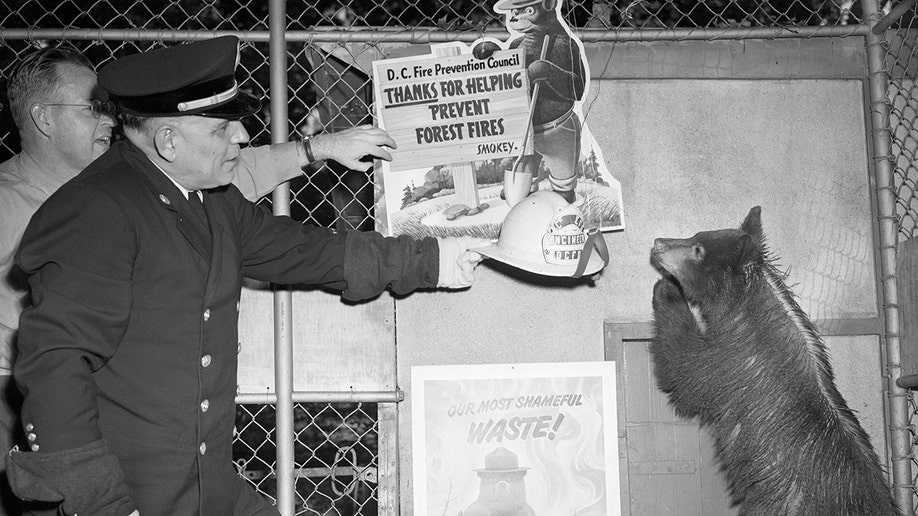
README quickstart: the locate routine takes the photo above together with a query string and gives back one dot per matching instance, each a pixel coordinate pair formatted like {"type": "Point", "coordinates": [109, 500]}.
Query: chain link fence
{"type": "Point", "coordinates": [335, 453]}
{"type": "Point", "coordinates": [903, 103]}
{"type": "Point", "coordinates": [329, 47]}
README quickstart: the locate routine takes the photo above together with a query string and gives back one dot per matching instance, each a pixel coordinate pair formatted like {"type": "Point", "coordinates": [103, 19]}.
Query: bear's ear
{"type": "Point", "coordinates": [753, 223]}
{"type": "Point", "coordinates": [747, 251]}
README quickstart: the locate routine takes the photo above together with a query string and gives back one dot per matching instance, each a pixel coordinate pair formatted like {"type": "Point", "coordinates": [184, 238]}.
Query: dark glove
{"type": "Point", "coordinates": [86, 480]}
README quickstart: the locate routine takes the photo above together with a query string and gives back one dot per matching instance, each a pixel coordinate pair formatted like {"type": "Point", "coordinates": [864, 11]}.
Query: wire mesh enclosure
{"type": "Point", "coordinates": [329, 46]}
{"type": "Point", "coordinates": [335, 453]}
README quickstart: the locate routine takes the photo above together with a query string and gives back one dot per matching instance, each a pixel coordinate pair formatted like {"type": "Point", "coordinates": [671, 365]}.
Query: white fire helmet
{"type": "Point", "coordinates": [544, 234]}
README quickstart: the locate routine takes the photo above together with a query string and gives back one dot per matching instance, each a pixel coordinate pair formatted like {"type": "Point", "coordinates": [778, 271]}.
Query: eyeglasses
{"type": "Point", "coordinates": [97, 107]}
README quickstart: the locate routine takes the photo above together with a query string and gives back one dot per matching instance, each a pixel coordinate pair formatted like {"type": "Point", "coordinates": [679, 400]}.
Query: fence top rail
{"type": "Point", "coordinates": [395, 35]}
{"type": "Point", "coordinates": [268, 398]}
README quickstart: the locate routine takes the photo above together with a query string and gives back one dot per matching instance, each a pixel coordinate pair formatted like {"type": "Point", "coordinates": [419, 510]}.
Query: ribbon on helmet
{"type": "Point", "coordinates": [596, 242]}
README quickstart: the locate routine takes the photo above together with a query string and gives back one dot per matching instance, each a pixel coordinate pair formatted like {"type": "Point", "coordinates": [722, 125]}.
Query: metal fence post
{"type": "Point", "coordinates": [900, 441]}
{"type": "Point", "coordinates": [283, 296]}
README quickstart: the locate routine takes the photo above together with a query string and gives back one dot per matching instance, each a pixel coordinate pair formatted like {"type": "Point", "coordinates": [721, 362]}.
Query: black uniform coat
{"type": "Point", "coordinates": [132, 336]}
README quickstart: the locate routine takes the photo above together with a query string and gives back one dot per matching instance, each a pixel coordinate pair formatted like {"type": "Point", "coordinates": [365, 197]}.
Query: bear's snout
{"type": "Point", "coordinates": [658, 252]}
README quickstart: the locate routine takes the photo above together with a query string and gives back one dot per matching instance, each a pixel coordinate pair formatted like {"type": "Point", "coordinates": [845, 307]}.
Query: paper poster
{"type": "Point", "coordinates": [520, 439]}
{"type": "Point", "coordinates": [480, 127]}
{"type": "Point", "coordinates": [452, 108]}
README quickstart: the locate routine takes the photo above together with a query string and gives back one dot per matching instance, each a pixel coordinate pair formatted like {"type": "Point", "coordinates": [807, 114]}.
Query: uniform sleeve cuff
{"type": "Point", "coordinates": [85, 480]}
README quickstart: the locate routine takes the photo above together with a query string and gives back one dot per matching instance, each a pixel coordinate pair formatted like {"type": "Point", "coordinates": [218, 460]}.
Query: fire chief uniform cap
{"type": "Point", "coordinates": [191, 79]}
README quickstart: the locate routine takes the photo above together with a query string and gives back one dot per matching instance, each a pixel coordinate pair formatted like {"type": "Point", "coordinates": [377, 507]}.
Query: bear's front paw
{"type": "Point", "coordinates": [665, 293]}
{"type": "Point", "coordinates": [540, 70]}
{"type": "Point", "coordinates": [484, 49]}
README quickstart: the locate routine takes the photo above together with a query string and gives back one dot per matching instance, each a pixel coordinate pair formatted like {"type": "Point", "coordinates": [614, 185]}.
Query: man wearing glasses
{"type": "Point", "coordinates": [65, 122]}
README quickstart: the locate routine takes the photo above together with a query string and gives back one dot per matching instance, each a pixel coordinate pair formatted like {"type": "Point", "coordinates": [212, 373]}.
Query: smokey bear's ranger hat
{"type": "Point", "coordinates": [545, 234]}
{"type": "Point", "coordinates": [501, 461]}
{"type": "Point", "coordinates": [507, 5]}
{"type": "Point", "coordinates": [192, 79]}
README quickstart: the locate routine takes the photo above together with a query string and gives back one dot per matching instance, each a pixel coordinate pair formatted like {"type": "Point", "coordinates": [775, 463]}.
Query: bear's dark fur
{"type": "Point", "coordinates": [733, 348]}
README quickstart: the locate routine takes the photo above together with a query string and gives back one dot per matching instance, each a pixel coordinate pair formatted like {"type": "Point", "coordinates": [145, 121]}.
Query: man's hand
{"type": "Point", "coordinates": [458, 260]}
{"type": "Point", "coordinates": [355, 148]}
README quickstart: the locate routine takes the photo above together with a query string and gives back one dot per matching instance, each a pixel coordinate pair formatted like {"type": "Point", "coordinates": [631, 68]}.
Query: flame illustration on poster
{"type": "Point", "coordinates": [515, 439]}
{"type": "Point", "coordinates": [480, 127]}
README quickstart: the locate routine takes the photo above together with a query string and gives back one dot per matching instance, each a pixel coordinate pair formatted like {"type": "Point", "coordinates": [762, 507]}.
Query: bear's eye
{"type": "Point", "coordinates": [697, 252]}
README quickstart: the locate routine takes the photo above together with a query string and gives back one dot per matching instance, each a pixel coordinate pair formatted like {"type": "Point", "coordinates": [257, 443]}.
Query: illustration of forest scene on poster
{"type": "Point", "coordinates": [538, 437]}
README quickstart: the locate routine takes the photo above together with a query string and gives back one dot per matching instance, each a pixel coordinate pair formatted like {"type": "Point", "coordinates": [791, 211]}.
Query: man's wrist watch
{"type": "Point", "coordinates": [307, 148]}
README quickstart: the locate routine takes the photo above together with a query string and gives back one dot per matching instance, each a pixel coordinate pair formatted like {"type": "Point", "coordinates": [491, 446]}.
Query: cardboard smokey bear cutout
{"type": "Point", "coordinates": [557, 72]}
{"type": "Point", "coordinates": [471, 153]}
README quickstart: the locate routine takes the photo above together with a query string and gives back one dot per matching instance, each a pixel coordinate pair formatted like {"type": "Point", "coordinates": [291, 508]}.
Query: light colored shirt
{"type": "Point", "coordinates": [24, 186]}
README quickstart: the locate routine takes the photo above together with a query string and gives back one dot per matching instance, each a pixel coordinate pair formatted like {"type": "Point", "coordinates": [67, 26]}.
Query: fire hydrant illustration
{"type": "Point", "coordinates": [502, 489]}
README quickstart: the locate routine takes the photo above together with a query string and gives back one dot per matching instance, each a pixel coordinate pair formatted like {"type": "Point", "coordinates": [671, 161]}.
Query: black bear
{"type": "Point", "coordinates": [732, 347]}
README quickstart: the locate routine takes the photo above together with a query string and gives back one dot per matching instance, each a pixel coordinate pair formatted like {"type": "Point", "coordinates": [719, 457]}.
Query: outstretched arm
{"type": "Point", "coordinates": [262, 168]}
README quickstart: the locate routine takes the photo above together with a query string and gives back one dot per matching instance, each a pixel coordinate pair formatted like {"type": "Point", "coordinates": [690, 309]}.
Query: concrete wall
{"type": "Point", "coordinates": [697, 133]}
